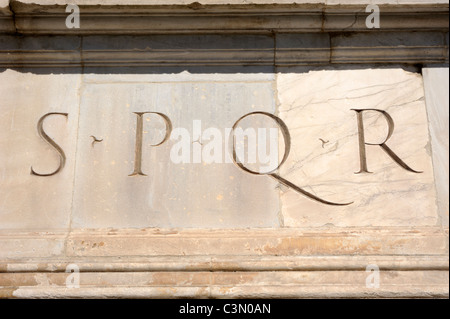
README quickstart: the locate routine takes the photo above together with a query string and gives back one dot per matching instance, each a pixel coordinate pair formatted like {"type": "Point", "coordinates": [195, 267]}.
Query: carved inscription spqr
{"type": "Point", "coordinates": [281, 125]}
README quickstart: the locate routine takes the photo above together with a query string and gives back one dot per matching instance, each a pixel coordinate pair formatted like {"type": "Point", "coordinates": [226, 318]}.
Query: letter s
{"type": "Point", "coordinates": [45, 137]}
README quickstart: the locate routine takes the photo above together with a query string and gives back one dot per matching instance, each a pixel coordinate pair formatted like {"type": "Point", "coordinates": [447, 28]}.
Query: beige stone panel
{"type": "Point", "coordinates": [437, 100]}
{"type": "Point", "coordinates": [217, 195]}
{"type": "Point", "coordinates": [31, 244]}
{"type": "Point", "coordinates": [28, 201]}
{"type": "Point", "coordinates": [317, 108]}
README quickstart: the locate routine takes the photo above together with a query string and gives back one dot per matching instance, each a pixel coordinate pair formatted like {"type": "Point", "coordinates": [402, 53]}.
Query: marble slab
{"type": "Point", "coordinates": [199, 195]}
{"type": "Point", "coordinates": [317, 106]}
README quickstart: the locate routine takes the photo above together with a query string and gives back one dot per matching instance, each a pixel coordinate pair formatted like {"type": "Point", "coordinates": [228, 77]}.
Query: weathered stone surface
{"type": "Point", "coordinates": [191, 263]}
{"type": "Point", "coordinates": [259, 242]}
{"type": "Point", "coordinates": [236, 284]}
{"type": "Point", "coordinates": [271, 259]}
{"type": "Point", "coordinates": [317, 105]}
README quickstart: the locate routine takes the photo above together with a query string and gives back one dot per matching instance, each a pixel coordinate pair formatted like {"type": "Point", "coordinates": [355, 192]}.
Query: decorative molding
{"type": "Point", "coordinates": [225, 17]}
{"type": "Point", "coordinates": [224, 33]}
{"type": "Point", "coordinates": [256, 263]}
{"type": "Point", "coordinates": [223, 50]}
{"type": "Point", "coordinates": [226, 263]}
{"type": "Point", "coordinates": [236, 284]}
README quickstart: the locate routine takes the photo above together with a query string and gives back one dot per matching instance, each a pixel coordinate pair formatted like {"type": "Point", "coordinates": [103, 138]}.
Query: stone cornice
{"type": "Point", "coordinates": [151, 17]}
{"type": "Point", "coordinates": [216, 32]}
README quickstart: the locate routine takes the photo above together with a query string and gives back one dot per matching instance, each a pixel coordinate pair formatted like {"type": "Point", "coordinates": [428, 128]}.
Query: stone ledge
{"type": "Point", "coordinates": [291, 284]}
{"type": "Point", "coordinates": [362, 241]}
{"type": "Point", "coordinates": [172, 263]}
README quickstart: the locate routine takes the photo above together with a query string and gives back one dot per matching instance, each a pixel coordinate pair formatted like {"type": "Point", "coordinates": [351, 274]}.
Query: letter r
{"type": "Point", "coordinates": [362, 142]}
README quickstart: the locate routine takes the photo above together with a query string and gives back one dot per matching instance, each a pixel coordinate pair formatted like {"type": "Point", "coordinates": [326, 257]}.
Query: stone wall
{"type": "Point", "coordinates": [109, 201]}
